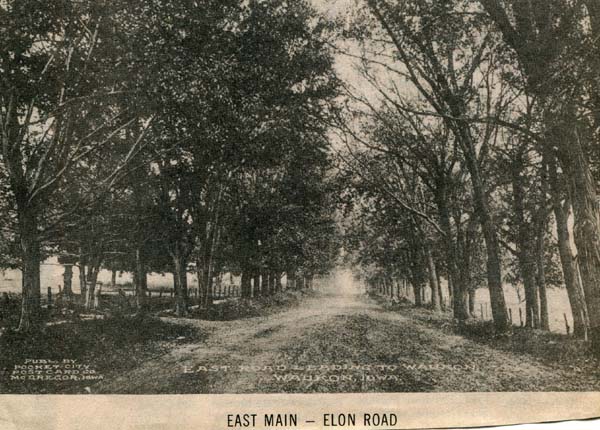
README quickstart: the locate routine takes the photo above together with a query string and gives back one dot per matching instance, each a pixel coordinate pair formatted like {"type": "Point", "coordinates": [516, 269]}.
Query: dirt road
{"type": "Point", "coordinates": [339, 341]}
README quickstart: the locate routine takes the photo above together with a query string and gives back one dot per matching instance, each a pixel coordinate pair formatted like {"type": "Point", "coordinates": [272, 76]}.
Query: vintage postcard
{"type": "Point", "coordinates": [308, 214]}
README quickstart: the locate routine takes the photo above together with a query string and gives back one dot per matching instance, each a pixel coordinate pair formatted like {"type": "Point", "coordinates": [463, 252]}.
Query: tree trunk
{"type": "Point", "coordinates": [532, 319]}
{"type": "Point", "coordinates": [68, 281]}
{"type": "Point", "coordinates": [92, 280]}
{"type": "Point", "coordinates": [416, 283]}
{"type": "Point", "coordinates": [494, 272]}
{"type": "Point", "coordinates": [207, 280]}
{"type": "Point", "coordinates": [570, 271]}
{"type": "Point", "coordinates": [593, 7]}
{"type": "Point", "coordinates": [97, 298]}
{"type": "Point", "coordinates": [180, 283]}
{"type": "Point", "coordinates": [472, 296]}
{"type": "Point", "coordinates": [568, 260]}
{"type": "Point", "coordinates": [433, 282]}
{"type": "Point", "coordinates": [524, 240]}
{"type": "Point", "coordinates": [541, 224]}
{"type": "Point", "coordinates": [459, 305]}
{"type": "Point", "coordinates": [541, 280]}
{"type": "Point", "coordinates": [31, 317]}
{"type": "Point", "coordinates": [113, 279]}
{"type": "Point", "coordinates": [461, 280]}
{"type": "Point", "coordinates": [82, 279]}
{"type": "Point", "coordinates": [202, 286]}
{"type": "Point", "coordinates": [264, 283]}
{"type": "Point", "coordinates": [417, 288]}
{"type": "Point", "coordinates": [440, 292]}
{"type": "Point", "coordinates": [246, 288]}
{"type": "Point", "coordinates": [259, 290]}
{"type": "Point", "coordinates": [492, 246]}
{"type": "Point", "coordinates": [291, 280]}
{"type": "Point", "coordinates": [587, 234]}
{"type": "Point", "coordinates": [462, 132]}
{"type": "Point", "coordinates": [141, 281]}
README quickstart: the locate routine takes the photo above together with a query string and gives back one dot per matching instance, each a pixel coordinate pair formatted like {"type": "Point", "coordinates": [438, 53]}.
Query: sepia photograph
{"type": "Point", "coordinates": [252, 197]}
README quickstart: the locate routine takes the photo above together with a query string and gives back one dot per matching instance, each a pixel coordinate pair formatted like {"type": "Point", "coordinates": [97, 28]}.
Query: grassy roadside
{"type": "Point", "coordinates": [71, 355]}
{"type": "Point", "coordinates": [558, 351]}
{"type": "Point", "coordinates": [408, 356]}
{"type": "Point", "coordinates": [95, 348]}
{"type": "Point", "coordinates": [238, 308]}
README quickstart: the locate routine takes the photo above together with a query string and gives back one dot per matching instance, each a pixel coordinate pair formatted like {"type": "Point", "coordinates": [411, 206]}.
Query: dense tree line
{"type": "Point", "coordinates": [147, 136]}
{"type": "Point", "coordinates": [474, 146]}
{"type": "Point", "coordinates": [169, 136]}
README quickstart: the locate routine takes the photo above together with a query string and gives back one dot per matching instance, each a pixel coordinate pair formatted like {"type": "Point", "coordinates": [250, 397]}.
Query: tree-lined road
{"type": "Point", "coordinates": [339, 340]}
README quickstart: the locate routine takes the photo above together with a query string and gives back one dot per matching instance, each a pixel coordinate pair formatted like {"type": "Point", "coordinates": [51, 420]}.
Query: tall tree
{"type": "Point", "coordinates": [549, 52]}
{"type": "Point", "coordinates": [444, 53]}
{"type": "Point", "coordinates": [59, 84]}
